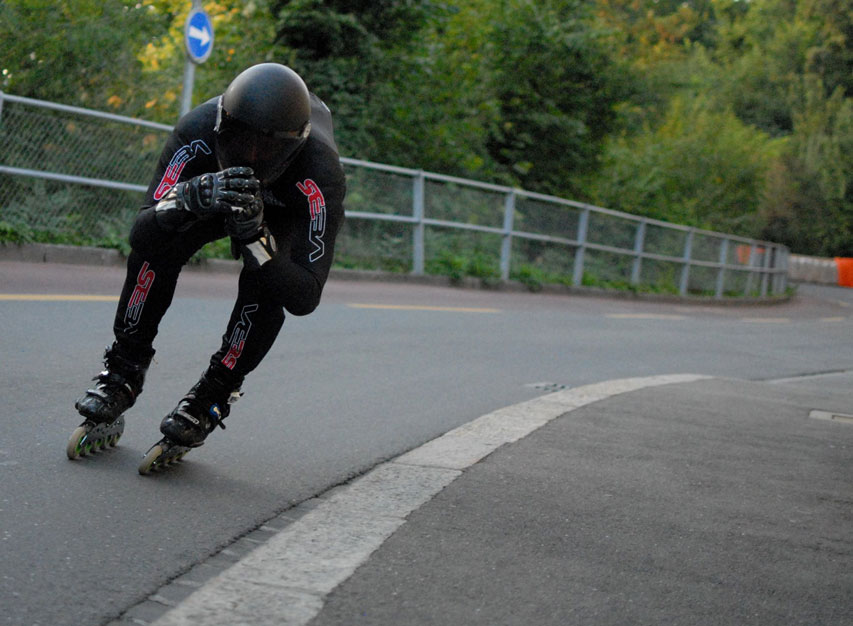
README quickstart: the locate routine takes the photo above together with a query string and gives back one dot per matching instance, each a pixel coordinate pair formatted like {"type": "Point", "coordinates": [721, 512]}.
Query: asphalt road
{"type": "Point", "coordinates": [377, 370]}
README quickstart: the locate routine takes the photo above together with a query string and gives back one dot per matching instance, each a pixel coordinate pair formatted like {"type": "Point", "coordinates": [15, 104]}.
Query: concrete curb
{"type": "Point", "coordinates": [286, 580]}
{"type": "Point", "coordinates": [51, 253]}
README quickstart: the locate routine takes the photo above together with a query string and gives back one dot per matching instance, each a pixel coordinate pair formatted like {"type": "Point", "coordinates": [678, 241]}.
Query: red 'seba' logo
{"type": "Point", "coordinates": [144, 280]}
{"type": "Point", "coordinates": [184, 155]}
{"type": "Point", "coordinates": [317, 206]}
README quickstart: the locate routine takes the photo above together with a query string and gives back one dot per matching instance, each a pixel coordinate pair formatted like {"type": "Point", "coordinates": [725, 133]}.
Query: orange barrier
{"type": "Point", "coordinates": [744, 252]}
{"type": "Point", "coordinates": [845, 271]}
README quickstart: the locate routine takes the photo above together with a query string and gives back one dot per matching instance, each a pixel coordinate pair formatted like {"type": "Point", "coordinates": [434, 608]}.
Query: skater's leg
{"type": "Point", "coordinates": [254, 325]}
{"type": "Point", "coordinates": [152, 274]}
{"type": "Point", "coordinates": [146, 296]}
{"type": "Point", "coordinates": [153, 267]}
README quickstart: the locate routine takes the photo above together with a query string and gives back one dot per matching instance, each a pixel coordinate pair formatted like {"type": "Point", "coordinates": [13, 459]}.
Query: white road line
{"type": "Point", "coordinates": [285, 580]}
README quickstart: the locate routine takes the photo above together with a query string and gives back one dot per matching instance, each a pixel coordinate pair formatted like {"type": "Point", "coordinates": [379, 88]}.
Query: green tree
{"type": "Point", "coordinates": [831, 56]}
{"type": "Point", "coordinates": [699, 167]}
{"type": "Point", "coordinates": [555, 89]}
{"type": "Point", "coordinates": [788, 69]}
{"type": "Point", "coordinates": [809, 202]}
{"type": "Point", "coordinates": [349, 53]}
{"type": "Point", "coordinates": [124, 56]}
{"type": "Point", "coordinates": [441, 104]}
{"type": "Point", "coordinates": [79, 52]}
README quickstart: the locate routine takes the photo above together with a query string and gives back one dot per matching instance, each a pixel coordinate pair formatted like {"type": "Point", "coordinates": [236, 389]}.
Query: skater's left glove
{"type": "Point", "coordinates": [204, 197]}
{"type": "Point", "coordinates": [250, 237]}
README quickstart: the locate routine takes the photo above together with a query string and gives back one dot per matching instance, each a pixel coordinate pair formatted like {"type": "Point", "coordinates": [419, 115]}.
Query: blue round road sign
{"type": "Point", "coordinates": [198, 36]}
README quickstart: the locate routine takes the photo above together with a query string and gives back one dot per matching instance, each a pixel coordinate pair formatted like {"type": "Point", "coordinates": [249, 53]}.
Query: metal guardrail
{"type": "Point", "coordinates": [54, 159]}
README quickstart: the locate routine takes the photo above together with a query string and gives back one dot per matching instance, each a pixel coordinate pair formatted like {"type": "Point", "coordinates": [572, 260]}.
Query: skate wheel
{"type": "Point", "coordinates": [150, 461]}
{"type": "Point", "coordinates": [76, 446]}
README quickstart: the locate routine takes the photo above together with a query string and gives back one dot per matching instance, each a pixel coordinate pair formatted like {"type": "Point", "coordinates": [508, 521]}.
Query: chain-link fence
{"type": "Point", "coordinates": [74, 175]}
{"type": "Point", "coordinates": [70, 174]}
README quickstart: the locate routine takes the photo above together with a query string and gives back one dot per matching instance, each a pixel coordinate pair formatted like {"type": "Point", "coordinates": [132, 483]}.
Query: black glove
{"type": "Point", "coordinates": [233, 190]}
{"type": "Point", "coordinates": [250, 237]}
{"type": "Point", "coordinates": [245, 223]}
{"type": "Point", "coordinates": [222, 193]}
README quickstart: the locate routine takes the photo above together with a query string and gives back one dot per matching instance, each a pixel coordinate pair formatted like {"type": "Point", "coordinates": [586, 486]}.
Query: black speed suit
{"type": "Point", "coordinates": [303, 210]}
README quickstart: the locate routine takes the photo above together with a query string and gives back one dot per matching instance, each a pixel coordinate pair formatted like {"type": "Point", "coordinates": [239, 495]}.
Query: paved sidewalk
{"type": "Point", "coordinates": [707, 502]}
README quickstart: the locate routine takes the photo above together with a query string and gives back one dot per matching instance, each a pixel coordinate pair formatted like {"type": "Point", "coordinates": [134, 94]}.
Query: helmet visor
{"type": "Point", "coordinates": [268, 153]}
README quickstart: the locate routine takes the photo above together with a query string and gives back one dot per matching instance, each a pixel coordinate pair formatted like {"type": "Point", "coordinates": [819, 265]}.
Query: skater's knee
{"type": "Point", "coordinates": [299, 299]}
{"type": "Point", "coordinates": [154, 244]}
{"type": "Point", "coordinates": [145, 236]}
{"type": "Point", "coordinates": [304, 297]}
{"type": "Point", "coordinates": [300, 306]}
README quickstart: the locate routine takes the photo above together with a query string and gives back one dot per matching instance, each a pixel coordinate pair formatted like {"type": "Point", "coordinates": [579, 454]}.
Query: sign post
{"type": "Point", "coordinates": [198, 39]}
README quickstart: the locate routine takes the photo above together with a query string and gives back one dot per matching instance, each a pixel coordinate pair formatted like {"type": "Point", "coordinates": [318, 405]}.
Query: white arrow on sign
{"type": "Point", "coordinates": [202, 35]}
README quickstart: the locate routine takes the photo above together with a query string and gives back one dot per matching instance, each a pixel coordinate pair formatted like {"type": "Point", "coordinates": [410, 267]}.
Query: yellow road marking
{"type": "Point", "coordinates": [766, 320]}
{"type": "Point", "coordinates": [644, 316]}
{"type": "Point", "coordinates": [416, 307]}
{"type": "Point", "coordinates": [55, 297]}
{"type": "Point", "coordinates": [832, 319]}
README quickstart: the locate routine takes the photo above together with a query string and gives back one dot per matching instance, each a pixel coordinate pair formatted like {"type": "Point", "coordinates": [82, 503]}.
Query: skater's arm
{"type": "Point", "coordinates": [187, 155]}
{"type": "Point", "coordinates": [296, 273]}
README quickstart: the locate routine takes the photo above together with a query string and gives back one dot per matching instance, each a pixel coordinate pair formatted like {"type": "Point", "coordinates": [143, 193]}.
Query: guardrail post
{"type": "Point", "coordinates": [1, 104]}
{"type": "Point", "coordinates": [639, 243]}
{"type": "Point", "coordinates": [765, 267]}
{"type": "Point", "coordinates": [782, 257]}
{"type": "Point", "coordinates": [506, 243]}
{"type": "Point", "coordinates": [750, 277]}
{"type": "Point", "coordinates": [418, 230]}
{"type": "Point", "coordinates": [685, 270]}
{"type": "Point", "coordinates": [583, 225]}
{"type": "Point", "coordinates": [721, 273]}
{"type": "Point", "coordinates": [772, 277]}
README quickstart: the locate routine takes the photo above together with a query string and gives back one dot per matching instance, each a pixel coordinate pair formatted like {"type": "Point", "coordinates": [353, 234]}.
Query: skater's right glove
{"type": "Point", "coordinates": [250, 237]}
{"type": "Point", "coordinates": [228, 192]}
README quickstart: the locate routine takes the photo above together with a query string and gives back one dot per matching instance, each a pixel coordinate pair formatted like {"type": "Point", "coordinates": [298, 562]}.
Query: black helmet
{"type": "Point", "coordinates": [263, 120]}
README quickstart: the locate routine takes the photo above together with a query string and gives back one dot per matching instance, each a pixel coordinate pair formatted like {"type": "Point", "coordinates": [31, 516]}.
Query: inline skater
{"type": "Point", "coordinates": [257, 164]}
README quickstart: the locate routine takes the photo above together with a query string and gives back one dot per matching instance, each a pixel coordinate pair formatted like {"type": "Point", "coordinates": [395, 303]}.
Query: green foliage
{"type": "Point", "coordinates": [348, 53]}
{"type": "Point", "coordinates": [554, 87]}
{"type": "Point", "coordinates": [440, 108]}
{"type": "Point", "coordinates": [460, 254]}
{"type": "Point", "coordinates": [740, 128]}
{"type": "Point", "coordinates": [699, 167]}
{"type": "Point", "coordinates": [809, 201]}
{"type": "Point", "coordinates": [457, 266]}
{"type": "Point", "coordinates": [535, 277]}
{"type": "Point", "coordinates": [448, 264]}
{"type": "Point", "coordinates": [92, 60]}
{"type": "Point", "coordinates": [726, 114]}
{"type": "Point", "coordinates": [530, 276]}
